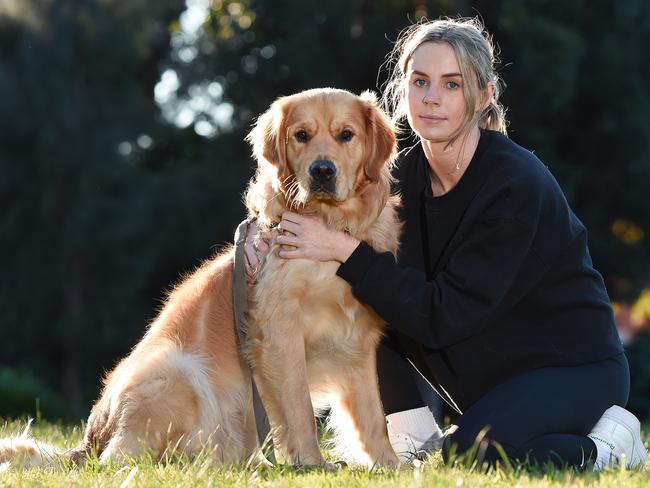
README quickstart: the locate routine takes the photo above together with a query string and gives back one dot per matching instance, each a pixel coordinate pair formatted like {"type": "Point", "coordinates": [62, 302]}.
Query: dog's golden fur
{"type": "Point", "coordinates": [311, 343]}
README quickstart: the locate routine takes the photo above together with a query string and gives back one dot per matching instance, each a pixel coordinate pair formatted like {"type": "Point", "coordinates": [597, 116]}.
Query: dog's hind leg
{"type": "Point", "coordinates": [155, 415]}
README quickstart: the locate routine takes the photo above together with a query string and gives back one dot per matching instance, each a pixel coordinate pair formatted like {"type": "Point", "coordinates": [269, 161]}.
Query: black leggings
{"type": "Point", "coordinates": [543, 415]}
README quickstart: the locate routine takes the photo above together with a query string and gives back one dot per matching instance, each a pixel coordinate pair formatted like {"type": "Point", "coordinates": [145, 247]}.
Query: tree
{"type": "Point", "coordinates": [122, 159]}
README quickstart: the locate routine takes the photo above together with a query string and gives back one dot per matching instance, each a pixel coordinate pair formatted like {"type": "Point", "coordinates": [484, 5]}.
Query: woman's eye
{"type": "Point", "coordinates": [452, 84]}
{"type": "Point", "coordinates": [420, 82]}
{"type": "Point", "coordinates": [346, 135]}
{"type": "Point", "coordinates": [301, 136]}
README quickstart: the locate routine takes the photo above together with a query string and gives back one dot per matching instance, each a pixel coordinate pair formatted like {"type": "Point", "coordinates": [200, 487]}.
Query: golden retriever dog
{"type": "Point", "coordinates": [311, 344]}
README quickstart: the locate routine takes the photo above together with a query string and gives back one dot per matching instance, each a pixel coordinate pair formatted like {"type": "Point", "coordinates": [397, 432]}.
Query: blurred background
{"type": "Point", "coordinates": [122, 161]}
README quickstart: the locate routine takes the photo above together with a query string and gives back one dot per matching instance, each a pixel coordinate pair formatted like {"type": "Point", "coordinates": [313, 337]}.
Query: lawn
{"type": "Point", "coordinates": [202, 472]}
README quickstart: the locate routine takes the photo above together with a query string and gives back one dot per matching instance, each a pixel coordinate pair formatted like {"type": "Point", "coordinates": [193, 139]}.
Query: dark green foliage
{"type": "Point", "coordinates": [578, 97]}
{"type": "Point", "coordinates": [91, 238]}
{"type": "Point", "coordinates": [23, 395]}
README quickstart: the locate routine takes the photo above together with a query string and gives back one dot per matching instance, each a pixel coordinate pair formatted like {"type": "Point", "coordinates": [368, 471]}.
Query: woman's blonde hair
{"type": "Point", "coordinates": [476, 57]}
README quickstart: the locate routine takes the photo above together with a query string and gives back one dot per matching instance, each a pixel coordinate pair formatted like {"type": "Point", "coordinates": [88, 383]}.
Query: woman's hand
{"type": "Point", "coordinates": [255, 250]}
{"type": "Point", "coordinates": [309, 238]}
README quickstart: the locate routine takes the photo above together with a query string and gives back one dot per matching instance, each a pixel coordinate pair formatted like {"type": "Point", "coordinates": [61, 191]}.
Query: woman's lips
{"type": "Point", "coordinates": [432, 119]}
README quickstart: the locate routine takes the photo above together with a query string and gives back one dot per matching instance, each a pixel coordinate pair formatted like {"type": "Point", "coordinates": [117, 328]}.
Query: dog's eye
{"type": "Point", "coordinates": [301, 136]}
{"type": "Point", "coordinates": [346, 135]}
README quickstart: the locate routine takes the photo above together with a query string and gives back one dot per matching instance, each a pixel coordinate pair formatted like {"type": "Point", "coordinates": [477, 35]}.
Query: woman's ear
{"type": "Point", "coordinates": [268, 137]}
{"type": "Point", "coordinates": [487, 97]}
{"type": "Point", "coordinates": [381, 143]}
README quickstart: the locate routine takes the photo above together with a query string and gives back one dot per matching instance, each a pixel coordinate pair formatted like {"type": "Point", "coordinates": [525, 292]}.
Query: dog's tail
{"type": "Point", "coordinates": [25, 451]}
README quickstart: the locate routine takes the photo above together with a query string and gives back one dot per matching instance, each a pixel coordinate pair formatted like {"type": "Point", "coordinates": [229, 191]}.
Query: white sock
{"type": "Point", "coordinates": [409, 430]}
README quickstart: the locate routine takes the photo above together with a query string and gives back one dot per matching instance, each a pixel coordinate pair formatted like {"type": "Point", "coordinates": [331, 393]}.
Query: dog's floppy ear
{"type": "Point", "coordinates": [268, 136]}
{"type": "Point", "coordinates": [381, 143]}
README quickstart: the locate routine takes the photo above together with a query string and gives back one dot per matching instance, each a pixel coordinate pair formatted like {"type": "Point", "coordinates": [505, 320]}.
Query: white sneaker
{"type": "Point", "coordinates": [617, 436]}
{"type": "Point", "coordinates": [413, 434]}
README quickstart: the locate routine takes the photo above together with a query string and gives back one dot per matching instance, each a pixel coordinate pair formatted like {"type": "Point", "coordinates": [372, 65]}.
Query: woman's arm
{"type": "Point", "coordinates": [491, 269]}
{"type": "Point", "coordinates": [436, 312]}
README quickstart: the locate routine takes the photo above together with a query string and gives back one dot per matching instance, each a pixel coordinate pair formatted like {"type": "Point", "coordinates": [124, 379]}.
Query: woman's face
{"type": "Point", "coordinates": [434, 92]}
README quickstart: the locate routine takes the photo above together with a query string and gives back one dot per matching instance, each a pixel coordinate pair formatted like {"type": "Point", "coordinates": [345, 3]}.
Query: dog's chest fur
{"type": "Point", "coordinates": [305, 301]}
{"type": "Point", "coordinates": [306, 298]}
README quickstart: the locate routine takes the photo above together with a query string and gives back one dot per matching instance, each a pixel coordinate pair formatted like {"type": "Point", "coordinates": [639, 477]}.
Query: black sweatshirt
{"type": "Point", "coordinates": [492, 279]}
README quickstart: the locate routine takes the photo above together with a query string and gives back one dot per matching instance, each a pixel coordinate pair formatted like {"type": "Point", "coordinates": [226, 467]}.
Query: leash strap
{"type": "Point", "coordinates": [240, 306]}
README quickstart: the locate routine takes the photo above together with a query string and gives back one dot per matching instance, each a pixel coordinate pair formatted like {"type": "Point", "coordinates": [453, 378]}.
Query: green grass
{"type": "Point", "coordinates": [202, 472]}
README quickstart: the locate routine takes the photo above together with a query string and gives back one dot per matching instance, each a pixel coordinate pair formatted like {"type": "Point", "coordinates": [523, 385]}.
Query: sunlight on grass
{"type": "Point", "coordinates": [201, 471]}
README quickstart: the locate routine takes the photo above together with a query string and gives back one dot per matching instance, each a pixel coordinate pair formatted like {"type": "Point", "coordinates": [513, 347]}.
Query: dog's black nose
{"type": "Point", "coordinates": [322, 170]}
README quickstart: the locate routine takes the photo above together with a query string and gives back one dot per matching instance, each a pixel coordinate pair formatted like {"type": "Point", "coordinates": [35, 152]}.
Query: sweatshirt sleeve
{"type": "Point", "coordinates": [458, 301]}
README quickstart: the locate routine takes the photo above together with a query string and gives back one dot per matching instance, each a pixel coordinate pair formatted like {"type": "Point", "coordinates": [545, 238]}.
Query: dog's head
{"type": "Point", "coordinates": [325, 144]}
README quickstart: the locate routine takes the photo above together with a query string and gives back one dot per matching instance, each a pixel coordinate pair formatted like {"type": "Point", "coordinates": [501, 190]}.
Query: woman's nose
{"type": "Point", "coordinates": [431, 96]}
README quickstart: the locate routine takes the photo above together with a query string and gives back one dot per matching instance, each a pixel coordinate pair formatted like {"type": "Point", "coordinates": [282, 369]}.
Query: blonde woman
{"type": "Point", "coordinates": [493, 296]}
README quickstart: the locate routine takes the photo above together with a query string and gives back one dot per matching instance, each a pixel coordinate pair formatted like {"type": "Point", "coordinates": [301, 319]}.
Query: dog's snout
{"type": "Point", "coordinates": [322, 170]}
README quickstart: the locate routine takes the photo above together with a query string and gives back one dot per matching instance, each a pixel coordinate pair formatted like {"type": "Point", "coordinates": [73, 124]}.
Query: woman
{"type": "Point", "coordinates": [493, 296]}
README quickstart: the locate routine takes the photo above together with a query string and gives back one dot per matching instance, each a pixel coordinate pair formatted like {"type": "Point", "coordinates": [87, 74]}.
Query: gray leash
{"type": "Point", "coordinates": [240, 308]}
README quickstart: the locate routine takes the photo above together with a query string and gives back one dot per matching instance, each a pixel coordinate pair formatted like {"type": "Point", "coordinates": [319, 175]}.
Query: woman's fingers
{"type": "Point", "coordinates": [289, 226]}
{"type": "Point", "coordinates": [252, 260]}
{"type": "Point", "coordinates": [255, 248]}
{"type": "Point", "coordinates": [293, 217]}
{"type": "Point", "coordinates": [290, 253]}
{"type": "Point", "coordinates": [262, 246]}
{"type": "Point", "coordinates": [288, 240]}
{"type": "Point", "coordinates": [249, 269]}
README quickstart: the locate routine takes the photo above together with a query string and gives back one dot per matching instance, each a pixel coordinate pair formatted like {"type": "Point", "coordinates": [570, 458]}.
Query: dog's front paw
{"type": "Point", "coordinates": [335, 466]}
